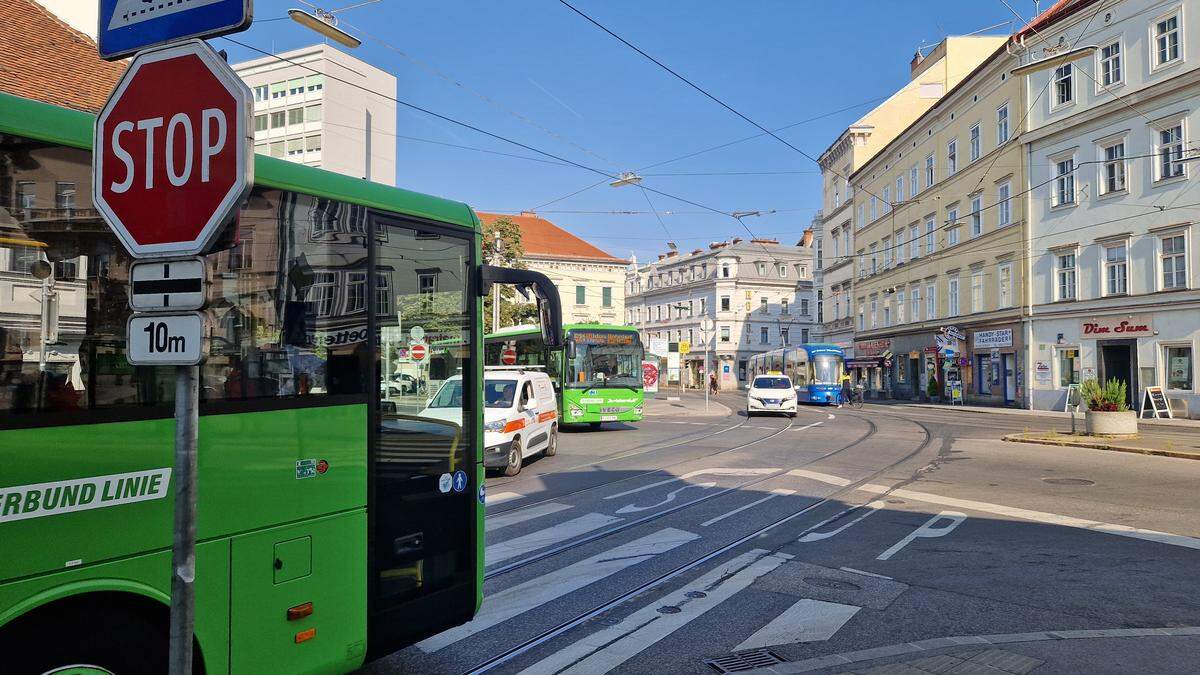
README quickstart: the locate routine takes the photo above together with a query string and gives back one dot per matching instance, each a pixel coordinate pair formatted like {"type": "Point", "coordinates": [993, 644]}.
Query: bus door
{"type": "Point", "coordinates": [422, 526]}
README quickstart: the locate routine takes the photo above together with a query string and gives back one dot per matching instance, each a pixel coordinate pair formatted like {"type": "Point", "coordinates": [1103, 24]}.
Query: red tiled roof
{"type": "Point", "coordinates": [542, 238]}
{"type": "Point", "coordinates": [1059, 10]}
{"type": "Point", "coordinates": [43, 58]}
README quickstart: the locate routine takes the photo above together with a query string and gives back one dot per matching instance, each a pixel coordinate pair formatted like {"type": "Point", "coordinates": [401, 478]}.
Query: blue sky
{"type": "Point", "coordinates": [535, 72]}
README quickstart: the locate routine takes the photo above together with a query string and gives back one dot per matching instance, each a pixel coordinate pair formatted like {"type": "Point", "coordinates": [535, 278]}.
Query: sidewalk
{"type": "Point", "coordinates": [1120, 650]}
{"type": "Point", "coordinates": [1177, 424]}
{"type": "Point", "coordinates": [687, 404]}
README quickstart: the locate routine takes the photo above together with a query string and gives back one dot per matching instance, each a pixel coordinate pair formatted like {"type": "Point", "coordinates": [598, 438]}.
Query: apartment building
{"type": "Point", "coordinates": [591, 282]}
{"type": "Point", "coordinates": [1112, 206]}
{"type": "Point", "coordinates": [322, 107]}
{"type": "Point", "coordinates": [931, 74]}
{"type": "Point", "coordinates": [937, 246]}
{"type": "Point", "coordinates": [758, 293]}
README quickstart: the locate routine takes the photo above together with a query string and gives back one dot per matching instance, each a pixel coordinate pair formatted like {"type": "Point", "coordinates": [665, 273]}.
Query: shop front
{"type": "Point", "coordinates": [1141, 349]}
{"type": "Point", "coordinates": [909, 368]}
{"type": "Point", "coordinates": [867, 366]}
{"type": "Point", "coordinates": [993, 367]}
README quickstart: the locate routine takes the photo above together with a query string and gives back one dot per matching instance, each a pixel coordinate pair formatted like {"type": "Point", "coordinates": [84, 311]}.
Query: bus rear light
{"type": "Point", "coordinates": [306, 635]}
{"type": "Point", "coordinates": [299, 611]}
{"type": "Point", "coordinates": [515, 424]}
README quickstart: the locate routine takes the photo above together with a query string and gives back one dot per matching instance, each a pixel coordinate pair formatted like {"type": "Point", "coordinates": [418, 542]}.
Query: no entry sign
{"type": "Point", "coordinates": [173, 153]}
{"type": "Point", "coordinates": [508, 357]}
{"type": "Point", "coordinates": [418, 352]}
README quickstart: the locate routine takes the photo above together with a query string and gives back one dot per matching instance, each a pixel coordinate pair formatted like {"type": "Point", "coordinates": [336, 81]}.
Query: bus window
{"type": "Point", "coordinates": [605, 359]}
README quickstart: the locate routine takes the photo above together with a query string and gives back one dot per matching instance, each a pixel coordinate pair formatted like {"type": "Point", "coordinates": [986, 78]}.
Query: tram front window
{"type": "Point", "coordinates": [826, 369]}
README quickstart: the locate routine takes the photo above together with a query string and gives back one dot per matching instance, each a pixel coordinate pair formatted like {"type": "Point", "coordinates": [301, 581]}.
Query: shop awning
{"type": "Point", "coordinates": [864, 362]}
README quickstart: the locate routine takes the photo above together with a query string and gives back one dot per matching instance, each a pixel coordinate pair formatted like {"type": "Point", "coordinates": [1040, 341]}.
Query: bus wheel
{"type": "Point", "coordinates": [594, 425]}
{"type": "Point", "coordinates": [514, 458]}
{"type": "Point", "coordinates": [552, 444]}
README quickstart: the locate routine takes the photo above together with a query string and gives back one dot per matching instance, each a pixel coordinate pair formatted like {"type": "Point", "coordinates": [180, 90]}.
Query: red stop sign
{"type": "Point", "coordinates": [417, 352]}
{"type": "Point", "coordinates": [173, 153]}
{"type": "Point", "coordinates": [508, 357]}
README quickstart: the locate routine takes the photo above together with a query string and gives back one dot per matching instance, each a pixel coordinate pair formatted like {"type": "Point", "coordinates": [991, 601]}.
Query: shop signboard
{"type": "Point", "coordinates": [657, 346]}
{"type": "Point", "coordinates": [987, 339]}
{"type": "Point", "coordinates": [1125, 326]}
{"type": "Point", "coordinates": [872, 347]}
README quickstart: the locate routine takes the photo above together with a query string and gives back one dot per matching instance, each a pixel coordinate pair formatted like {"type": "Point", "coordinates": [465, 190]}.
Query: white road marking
{"type": "Point", "coordinates": [634, 508]}
{"type": "Point", "coordinates": [832, 416]}
{"type": "Point", "coordinates": [701, 472]}
{"type": "Point", "coordinates": [807, 426]}
{"type": "Point", "coordinates": [927, 531]}
{"type": "Point", "coordinates": [774, 493]}
{"type": "Point", "coordinates": [822, 477]}
{"type": "Point", "coordinates": [871, 508]}
{"type": "Point", "coordinates": [865, 573]}
{"type": "Point", "coordinates": [806, 621]}
{"type": "Point", "coordinates": [500, 607]}
{"type": "Point", "coordinates": [1024, 514]}
{"type": "Point", "coordinates": [500, 498]}
{"type": "Point", "coordinates": [493, 523]}
{"type": "Point", "coordinates": [547, 537]}
{"type": "Point", "coordinates": [606, 649]}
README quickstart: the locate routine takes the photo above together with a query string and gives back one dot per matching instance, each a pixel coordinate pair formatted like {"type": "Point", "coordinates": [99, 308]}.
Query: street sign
{"type": "Point", "coordinates": [172, 164]}
{"type": "Point", "coordinates": [165, 339]}
{"type": "Point", "coordinates": [167, 285]}
{"type": "Point", "coordinates": [127, 26]}
{"type": "Point", "coordinates": [508, 357]}
{"type": "Point", "coordinates": [418, 352]}
{"type": "Point", "coordinates": [685, 346]}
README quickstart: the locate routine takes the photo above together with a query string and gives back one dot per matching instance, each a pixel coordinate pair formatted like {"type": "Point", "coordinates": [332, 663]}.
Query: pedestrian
{"type": "Point", "coordinates": [712, 383]}
{"type": "Point", "coordinates": [845, 390]}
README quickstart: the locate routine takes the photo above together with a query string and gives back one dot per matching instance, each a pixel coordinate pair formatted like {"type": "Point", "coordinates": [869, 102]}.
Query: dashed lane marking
{"type": "Point", "coordinates": [547, 537]}
{"type": "Point", "coordinates": [493, 523]}
{"type": "Point", "coordinates": [774, 493]}
{"type": "Point", "coordinates": [500, 498]}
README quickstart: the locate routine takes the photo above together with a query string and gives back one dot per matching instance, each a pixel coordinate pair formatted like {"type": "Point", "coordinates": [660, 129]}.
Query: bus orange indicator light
{"type": "Point", "coordinates": [306, 635]}
{"type": "Point", "coordinates": [299, 611]}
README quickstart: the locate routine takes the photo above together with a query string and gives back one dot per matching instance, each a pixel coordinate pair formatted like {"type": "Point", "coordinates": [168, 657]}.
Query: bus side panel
{"type": "Point", "coordinates": [322, 562]}
{"type": "Point", "coordinates": [145, 575]}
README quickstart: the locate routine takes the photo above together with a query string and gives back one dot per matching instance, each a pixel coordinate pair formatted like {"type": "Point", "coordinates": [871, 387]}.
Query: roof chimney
{"type": "Point", "coordinates": [736, 240]}
{"type": "Point", "coordinates": [916, 62]}
{"type": "Point", "coordinates": [529, 214]}
{"type": "Point", "coordinates": [807, 240]}
{"type": "Point", "coordinates": [662, 255]}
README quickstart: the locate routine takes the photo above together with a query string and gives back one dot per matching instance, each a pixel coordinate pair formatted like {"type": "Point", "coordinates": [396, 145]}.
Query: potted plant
{"type": "Point", "coordinates": [1107, 412]}
{"type": "Point", "coordinates": [931, 388]}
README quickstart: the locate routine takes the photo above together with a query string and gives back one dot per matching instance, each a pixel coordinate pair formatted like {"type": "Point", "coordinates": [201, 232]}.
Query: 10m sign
{"type": "Point", "coordinates": [166, 339]}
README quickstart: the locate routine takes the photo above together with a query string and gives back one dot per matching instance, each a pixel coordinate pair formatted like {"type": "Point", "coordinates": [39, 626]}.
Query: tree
{"type": "Point", "coordinates": [513, 311]}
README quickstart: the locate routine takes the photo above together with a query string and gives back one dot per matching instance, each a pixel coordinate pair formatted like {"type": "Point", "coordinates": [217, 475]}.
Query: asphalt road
{"type": "Point", "coordinates": [653, 548]}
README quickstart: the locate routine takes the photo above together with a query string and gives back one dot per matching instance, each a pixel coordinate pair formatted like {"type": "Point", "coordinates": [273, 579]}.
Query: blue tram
{"type": "Point", "coordinates": [814, 369]}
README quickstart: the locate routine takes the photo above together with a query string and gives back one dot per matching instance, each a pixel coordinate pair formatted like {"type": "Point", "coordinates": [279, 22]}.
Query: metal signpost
{"type": "Point", "coordinates": [706, 325]}
{"type": "Point", "coordinates": [201, 174]}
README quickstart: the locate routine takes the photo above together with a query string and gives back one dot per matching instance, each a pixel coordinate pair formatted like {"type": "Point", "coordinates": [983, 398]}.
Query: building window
{"type": "Point", "coordinates": [1116, 269]}
{"type": "Point", "coordinates": [296, 86]}
{"type": "Point", "coordinates": [1004, 281]}
{"type": "Point", "coordinates": [260, 122]}
{"type": "Point", "coordinates": [1179, 367]}
{"type": "Point", "coordinates": [1114, 169]}
{"type": "Point", "coordinates": [1066, 276]}
{"type": "Point", "coordinates": [803, 306]}
{"type": "Point", "coordinates": [1064, 182]}
{"type": "Point", "coordinates": [783, 271]}
{"type": "Point", "coordinates": [888, 252]}
{"type": "Point", "coordinates": [874, 313]}
{"type": "Point", "coordinates": [260, 93]}
{"type": "Point", "coordinates": [1174, 262]}
{"type": "Point", "coordinates": [861, 222]}
{"type": "Point", "coordinates": [1110, 64]}
{"type": "Point", "coordinates": [762, 269]}
{"type": "Point", "coordinates": [901, 305]}
{"type": "Point", "coordinates": [278, 120]}
{"type": "Point", "coordinates": [1064, 91]}
{"type": "Point", "coordinates": [313, 113]}
{"type": "Point", "coordinates": [278, 90]}
{"type": "Point", "coordinates": [315, 83]}
{"type": "Point", "coordinates": [724, 303]}
{"type": "Point", "coordinates": [1166, 41]}
{"type": "Point", "coordinates": [930, 225]}
{"type": "Point", "coordinates": [1068, 367]}
{"type": "Point", "coordinates": [976, 215]}
{"type": "Point", "coordinates": [887, 313]}
{"type": "Point", "coordinates": [952, 223]}
{"type": "Point", "coordinates": [874, 258]}
{"type": "Point", "coordinates": [22, 258]}
{"type": "Point", "coordinates": [930, 301]}
{"type": "Point", "coordinates": [1004, 204]}
{"type": "Point", "coordinates": [383, 295]}
{"type": "Point", "coordinates": [913, 185]}
{"type": "Point", "coordinates": [862, 322]}
{"type": "Point", "coordinates": [725, 270]}
{"type": "Point", "coordinates": [975, 143]}
{"type": "Point", "coordinates": [1002, 125]}
{"type": "Point", "coordinates": [724, 333]}
{"type": "Point", "coordinates": [321, 293]}
{"type": "Point", "coordinates": [356, 292]}
{"type": "Point", "coordinates": [804, 336]}
{"type": "Point", "coordinates": [66, 269]}
{"type": "Point", "coordinates": [783, 306]}
{"type": "Point", "coordinates": [606, 297]}
{"type": "Point", "coordinates": [762, 305]}
{"type": "Point", "coordinates": [929, 173]}
{"type": "Point", "coordinates": [874, 207]}
{"type": "Point", "coordinates": [951, 157]}
{"type": "Point", "coordinates": [783, 336]}
{"type": "Point", "coordinates": [295, 116]}
{"type": "Point", "coordinates": [916, 304]}
{"type": "Point", "coordinates": [899, 189]}
{"type": "Point", "coordinates": [952, 297]}
{"type": "Point", "coordinates": [276, 149]}
{"type": "Point", "coordinates": [64, 196]}
{"type": "Point", "coordinates": [977, 292]}
{"type": "Point", "coordinates": [580, 295]}
{"type": "Point", "coordinates": [241, 256]}
{"type": "Point", "coordinates": [295, 147]}
{"type": "Point", "coordinates": [427, 284]}
{"type": "Point", "coordinates": [764, 336]}
{"type": "Point", "coordinates": [312, 145]}
{"type": "Point", "coordinates": [887, 199]}
{"type": "Point", "coordinates": [1170, 152]}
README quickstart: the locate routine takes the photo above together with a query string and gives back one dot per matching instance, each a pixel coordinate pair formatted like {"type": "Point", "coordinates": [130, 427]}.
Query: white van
{"type": "Point", "coordinates": [520, 414]}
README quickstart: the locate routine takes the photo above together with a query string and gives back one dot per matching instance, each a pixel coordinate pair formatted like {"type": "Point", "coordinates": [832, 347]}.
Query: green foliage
{"type": "Point", "coordinates": [1107, 397]}
{"type": "Point", "coordinates": [510, 254]}
{"type": "Point", "coordinates": [931, 386]}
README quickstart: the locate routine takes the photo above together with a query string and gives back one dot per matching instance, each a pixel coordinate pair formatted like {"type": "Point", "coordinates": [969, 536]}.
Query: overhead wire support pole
{"type": "Point", "coordinates": [183, 538]}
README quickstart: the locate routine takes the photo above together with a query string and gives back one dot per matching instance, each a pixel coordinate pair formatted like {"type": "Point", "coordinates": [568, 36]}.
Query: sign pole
{"type": "Point", "coordinates": [183, 543]}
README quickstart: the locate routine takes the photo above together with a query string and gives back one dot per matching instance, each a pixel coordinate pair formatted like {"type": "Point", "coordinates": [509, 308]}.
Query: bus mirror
{"type": "Point", "coordinates": [549, 306]}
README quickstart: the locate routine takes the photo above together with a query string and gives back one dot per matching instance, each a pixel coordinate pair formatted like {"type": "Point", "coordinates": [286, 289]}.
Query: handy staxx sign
{"type": "Point", "coordinates": [1127, 326]}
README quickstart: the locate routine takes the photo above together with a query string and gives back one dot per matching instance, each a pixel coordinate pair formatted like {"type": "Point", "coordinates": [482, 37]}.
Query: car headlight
{"type": "Point", "coordinates": [496, 425]}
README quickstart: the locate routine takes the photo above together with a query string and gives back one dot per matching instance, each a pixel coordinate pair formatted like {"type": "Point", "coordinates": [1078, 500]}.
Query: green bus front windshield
{"type": "Point", "coordinates": [605, 359]}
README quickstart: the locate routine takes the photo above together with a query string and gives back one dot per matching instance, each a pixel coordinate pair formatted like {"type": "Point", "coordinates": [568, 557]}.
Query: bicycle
{"type": "Point", "coordinates": [856, 397]}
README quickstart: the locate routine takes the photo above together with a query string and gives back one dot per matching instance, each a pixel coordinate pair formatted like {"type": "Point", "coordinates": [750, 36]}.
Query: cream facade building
{"type": "Point", "coordinates": [930, 76]}
{"type": "Point", "coordinates": [938, 246]}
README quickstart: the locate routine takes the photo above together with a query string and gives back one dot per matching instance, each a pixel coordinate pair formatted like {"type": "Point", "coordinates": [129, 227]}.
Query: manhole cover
{"type": "Point", "coordinates": [835, 584]}
{"type": "Point", "coordinates": [742, 661]}
{"type": "Point", "coordinates": [697, 594]}
{"type": "Point", "coordinates": [669, 609]}
{"type": "Point", "coordinates": [1069, 481]}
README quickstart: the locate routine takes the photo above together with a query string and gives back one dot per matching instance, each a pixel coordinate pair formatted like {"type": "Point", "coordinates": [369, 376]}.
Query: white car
{"type": "Point", "coordinates": [771, 394]}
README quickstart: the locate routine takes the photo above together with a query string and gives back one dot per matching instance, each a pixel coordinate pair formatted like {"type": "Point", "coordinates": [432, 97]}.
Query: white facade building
{"type": "Point", "coordinates": [324, 108]}
{"type": "Point", "coordinates": [1112, 249]}
{"type": "Point", "coordinates": [758, 293]}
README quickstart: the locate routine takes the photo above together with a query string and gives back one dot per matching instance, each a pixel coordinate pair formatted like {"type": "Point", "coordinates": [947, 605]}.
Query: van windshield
{"type": "Point", "coordinates": [499, 393]}
{"type": "Point", "coordinates": [449, 396]}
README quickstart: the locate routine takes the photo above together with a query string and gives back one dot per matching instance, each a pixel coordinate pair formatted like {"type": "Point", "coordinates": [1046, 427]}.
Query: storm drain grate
{"type": "Point", "coordinates": [747, 660]}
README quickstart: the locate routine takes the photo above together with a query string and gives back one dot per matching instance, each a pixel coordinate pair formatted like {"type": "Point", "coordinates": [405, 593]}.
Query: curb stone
{"type": "Point", "coordinates": [1097, 445]}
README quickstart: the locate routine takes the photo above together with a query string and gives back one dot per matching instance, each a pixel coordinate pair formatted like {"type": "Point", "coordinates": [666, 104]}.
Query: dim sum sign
{"type": "Point", "coordinates": [1129, 325]}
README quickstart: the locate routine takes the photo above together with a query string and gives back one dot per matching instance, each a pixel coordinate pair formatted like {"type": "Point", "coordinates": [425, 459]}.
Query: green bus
{"type": "Point", "coordinates": [598, 375]}
{"type": "Point", "coordinates": [331, 524]}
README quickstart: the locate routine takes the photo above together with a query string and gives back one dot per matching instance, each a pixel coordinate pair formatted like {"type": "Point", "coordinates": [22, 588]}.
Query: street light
{"type": "Point", "coordinates": [325, 23]}
{"type": "Point", "coordinates": [627, 178]}
{"type": "Point", "coordinates": [1056, 60]}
